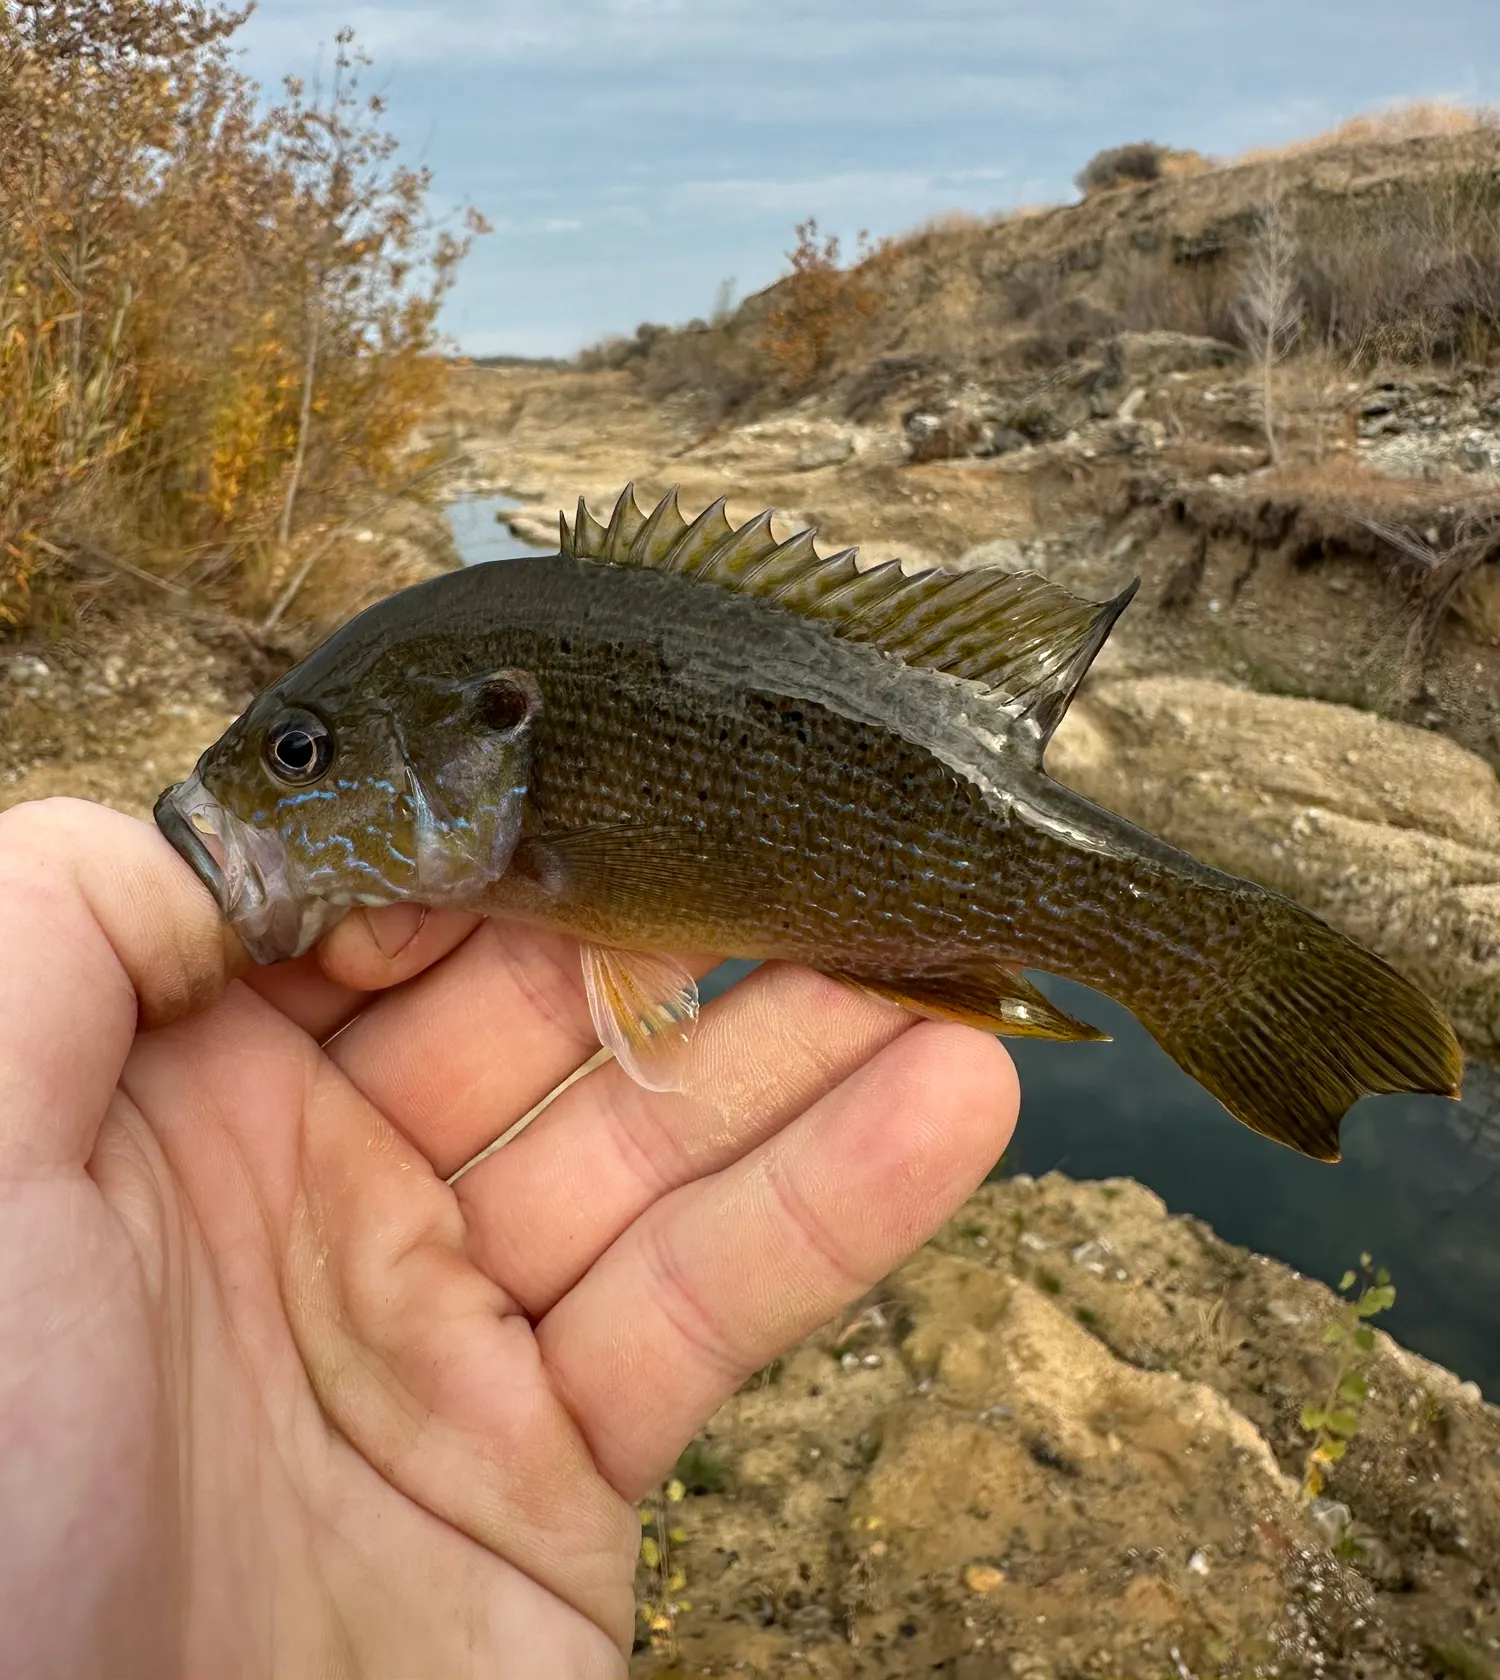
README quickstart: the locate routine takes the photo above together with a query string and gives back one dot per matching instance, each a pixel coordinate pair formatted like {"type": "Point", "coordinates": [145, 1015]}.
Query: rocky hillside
{"type": "Point", "coordinates": [1389, 244]}
{"type": "Point", "coordinates": [1090, 382]}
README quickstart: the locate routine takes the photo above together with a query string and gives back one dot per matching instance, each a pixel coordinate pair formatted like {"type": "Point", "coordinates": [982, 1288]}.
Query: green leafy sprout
{"type": "Point", "coordinates": [1334, 1421]}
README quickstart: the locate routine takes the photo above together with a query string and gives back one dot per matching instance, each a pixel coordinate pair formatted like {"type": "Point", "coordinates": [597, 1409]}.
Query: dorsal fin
{"type": "Point", "coordinates": [1025, 642]}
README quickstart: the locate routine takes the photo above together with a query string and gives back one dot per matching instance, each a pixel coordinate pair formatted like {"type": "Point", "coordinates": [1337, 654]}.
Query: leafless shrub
{"type": "Point", "coordinates": [1268, 311]}
{"type": "Point", "coordinates": [1412, 276]}
{"type": "Point", "coordinates": [1154, 293]}
{"type": "Point", "coordinates": [710, 363]}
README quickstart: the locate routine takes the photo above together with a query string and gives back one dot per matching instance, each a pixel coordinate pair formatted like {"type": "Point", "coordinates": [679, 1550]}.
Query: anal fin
{"type": "Point", "coordinates": [989, 996]}
{"type": "Point", "coordinates": [645, 1009]}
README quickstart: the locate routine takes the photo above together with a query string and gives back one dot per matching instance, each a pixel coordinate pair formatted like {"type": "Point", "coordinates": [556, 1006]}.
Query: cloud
{"type": "Point", "coordinates": [717, 39]}
{"type": "Point", "coordinates": [632, 153]}
{"type": "Point", "coordinates": [792, 195]}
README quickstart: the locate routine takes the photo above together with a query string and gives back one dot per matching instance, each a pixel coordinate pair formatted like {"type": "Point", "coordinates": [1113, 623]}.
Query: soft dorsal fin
{"type": "Point", "coordinates": [1026, 642]}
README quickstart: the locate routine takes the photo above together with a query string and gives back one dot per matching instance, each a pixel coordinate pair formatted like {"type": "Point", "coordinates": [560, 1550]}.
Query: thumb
{"type": "Point", "coordinates": [105, 931]}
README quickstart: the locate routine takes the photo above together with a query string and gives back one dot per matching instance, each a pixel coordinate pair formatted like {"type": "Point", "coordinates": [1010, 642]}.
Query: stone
{"type": "Point", "coordinates": [1137, 358]}
{"type": "Point", "coordinates": [1002, 440]}
{"type": "Point", "coordinates": [983, 1577]}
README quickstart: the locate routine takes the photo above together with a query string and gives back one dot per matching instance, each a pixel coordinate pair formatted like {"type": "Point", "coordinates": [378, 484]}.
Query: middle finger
{"type": "Point", "coordinates": [456, 1055]}
{"type": "Point", "coordinates": [543, 1209]}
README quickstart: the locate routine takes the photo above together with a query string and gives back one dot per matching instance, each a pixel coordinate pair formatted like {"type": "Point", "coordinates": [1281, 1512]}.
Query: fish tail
{"type": "Point", "coordinates": [1289, 1022]}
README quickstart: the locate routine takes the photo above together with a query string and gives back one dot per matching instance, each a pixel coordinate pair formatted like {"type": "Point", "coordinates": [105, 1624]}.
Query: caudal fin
{"type": "Point", "coordinates": [1295, 1023]}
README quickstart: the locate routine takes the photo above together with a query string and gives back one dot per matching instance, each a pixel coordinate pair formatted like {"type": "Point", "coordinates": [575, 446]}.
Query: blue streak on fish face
{"type": "Point", "coordinates": [420, 801]}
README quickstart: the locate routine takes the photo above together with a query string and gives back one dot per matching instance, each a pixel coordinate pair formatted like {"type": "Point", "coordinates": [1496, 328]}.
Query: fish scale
{"type": "Point", "coordinates": [782, 789]}
{"type": "Point", "coordinates": [680, 735]}
{"type": "Point", "coordinates": [787, 789]}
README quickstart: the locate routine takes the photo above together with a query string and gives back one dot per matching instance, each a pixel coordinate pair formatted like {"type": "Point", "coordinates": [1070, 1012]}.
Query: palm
{"type": "Point", "coordinates": [330, 1413]}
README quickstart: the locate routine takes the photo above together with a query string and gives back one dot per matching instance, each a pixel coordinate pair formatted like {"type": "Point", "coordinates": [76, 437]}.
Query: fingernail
{"type": "Point", "coordinates": [395, 926]}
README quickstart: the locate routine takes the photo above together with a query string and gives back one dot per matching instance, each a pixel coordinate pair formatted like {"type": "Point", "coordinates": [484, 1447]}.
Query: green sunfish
{"type": "Point", "coordinates": [676, 736]}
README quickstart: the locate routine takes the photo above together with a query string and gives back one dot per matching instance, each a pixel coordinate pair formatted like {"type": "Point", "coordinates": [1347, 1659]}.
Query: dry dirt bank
{"type": "Point", "coordinates": [1064, 1440]}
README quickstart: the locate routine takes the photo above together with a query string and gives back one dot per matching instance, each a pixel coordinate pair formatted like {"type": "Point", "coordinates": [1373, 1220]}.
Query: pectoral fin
{"type": "Point", "coordinates": [989, 996]}
{"type": "Point", "coordinates": [645, 1009]}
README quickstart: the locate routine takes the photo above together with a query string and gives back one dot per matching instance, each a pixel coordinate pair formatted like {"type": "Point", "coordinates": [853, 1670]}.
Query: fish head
{"type": "Point", "coordinates": [356, 787]}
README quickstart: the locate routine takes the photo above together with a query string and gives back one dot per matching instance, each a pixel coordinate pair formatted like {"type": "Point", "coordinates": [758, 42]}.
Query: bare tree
{"type": "Point", "coordinates": [1268, 311]}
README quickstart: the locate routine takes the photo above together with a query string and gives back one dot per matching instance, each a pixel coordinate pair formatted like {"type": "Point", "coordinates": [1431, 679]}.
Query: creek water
{"type": "Point", "coordinates": [1418, 1188]}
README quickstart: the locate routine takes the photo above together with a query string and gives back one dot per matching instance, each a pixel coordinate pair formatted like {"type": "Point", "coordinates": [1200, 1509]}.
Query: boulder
{"type": "Point", "coordinates": [790, 444]}
{"type": "Point", "coordinates": [1063, 1440]}
{"type": "Point", "coordinates": [1136, 358]}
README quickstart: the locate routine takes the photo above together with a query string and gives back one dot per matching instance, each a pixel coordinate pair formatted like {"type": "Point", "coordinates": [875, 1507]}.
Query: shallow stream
{"type": "Point", "coordinates": [1418, 1188]}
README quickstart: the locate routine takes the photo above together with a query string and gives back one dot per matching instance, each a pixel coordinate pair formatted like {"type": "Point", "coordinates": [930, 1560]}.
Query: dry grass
{"type": "Point", "coordinates": [1416, 119]}
{"type": "Point", "coordinates": [947, 222]}
{"type": "Point", "coordinates": [217, 323]}
{"type": "Point", "coordinates": [1342, 480]}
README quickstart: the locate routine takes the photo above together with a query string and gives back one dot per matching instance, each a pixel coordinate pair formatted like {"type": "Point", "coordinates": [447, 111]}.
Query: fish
{"type": "Point", "coordinates": [680, 735]}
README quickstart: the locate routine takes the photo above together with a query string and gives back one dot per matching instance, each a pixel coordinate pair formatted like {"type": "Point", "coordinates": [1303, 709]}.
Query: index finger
{"type": "Point", "coordinates": [369, 951]}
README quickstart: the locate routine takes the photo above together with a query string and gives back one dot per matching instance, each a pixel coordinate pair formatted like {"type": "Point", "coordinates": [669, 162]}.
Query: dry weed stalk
{"type": "Point", "coordinates": [1436, 575]}
{"type": "Point", "coordinates": [1268, 312]}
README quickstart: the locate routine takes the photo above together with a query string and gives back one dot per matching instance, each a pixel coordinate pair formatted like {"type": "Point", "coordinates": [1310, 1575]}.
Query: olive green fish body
{"type": "Point", "coordinates": [672, 737]}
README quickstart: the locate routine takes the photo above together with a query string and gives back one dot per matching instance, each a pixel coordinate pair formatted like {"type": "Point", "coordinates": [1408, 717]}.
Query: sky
{"type": "Point", "coordinates": [635, 155]}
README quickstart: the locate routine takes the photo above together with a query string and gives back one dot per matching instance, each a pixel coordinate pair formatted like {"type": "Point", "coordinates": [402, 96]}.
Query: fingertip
{"type": "Point", "coordinates": [947, 1104]}
{"type": "Point", "coordinates": [974, 1068]}
{"type": "Point", "coordinates": [978, 1078]}
{"type": "Point", "coordinates": [370, 950]}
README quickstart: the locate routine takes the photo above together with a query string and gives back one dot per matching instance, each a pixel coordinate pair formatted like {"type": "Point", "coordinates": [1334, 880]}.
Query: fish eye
{"type": "Point", "coordinates": [299, 748]}
{"type": "Point", "coordinates": [506, 700]}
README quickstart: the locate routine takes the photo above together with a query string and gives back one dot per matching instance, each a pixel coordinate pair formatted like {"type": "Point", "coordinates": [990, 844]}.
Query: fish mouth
{"type": "Point", "coordinates": [247, 871]}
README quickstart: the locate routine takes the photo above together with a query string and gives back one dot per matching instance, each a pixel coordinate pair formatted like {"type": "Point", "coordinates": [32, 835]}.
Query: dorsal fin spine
{"type": "Point", "coordinates": [1020, 640]}
{"type": "Point", "coordinates": [588, 534]}
{"type": "Point", "coordinates": [798, 550]}
{"type": "Point", "coordinates": [741, 553]}
{"type": "Point", "coordinates": [624, 526]}
{"type": "Point", "coordinates": [700, 539]}
{"type": "Point", "coordinates": [661, 533]}
{"type": "Point", "coordinates": [810, 587]}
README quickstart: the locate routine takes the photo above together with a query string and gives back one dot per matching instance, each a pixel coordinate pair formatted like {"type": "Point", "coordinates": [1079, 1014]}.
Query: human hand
{"type": "Point", "coordinates": [274, 1396]}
